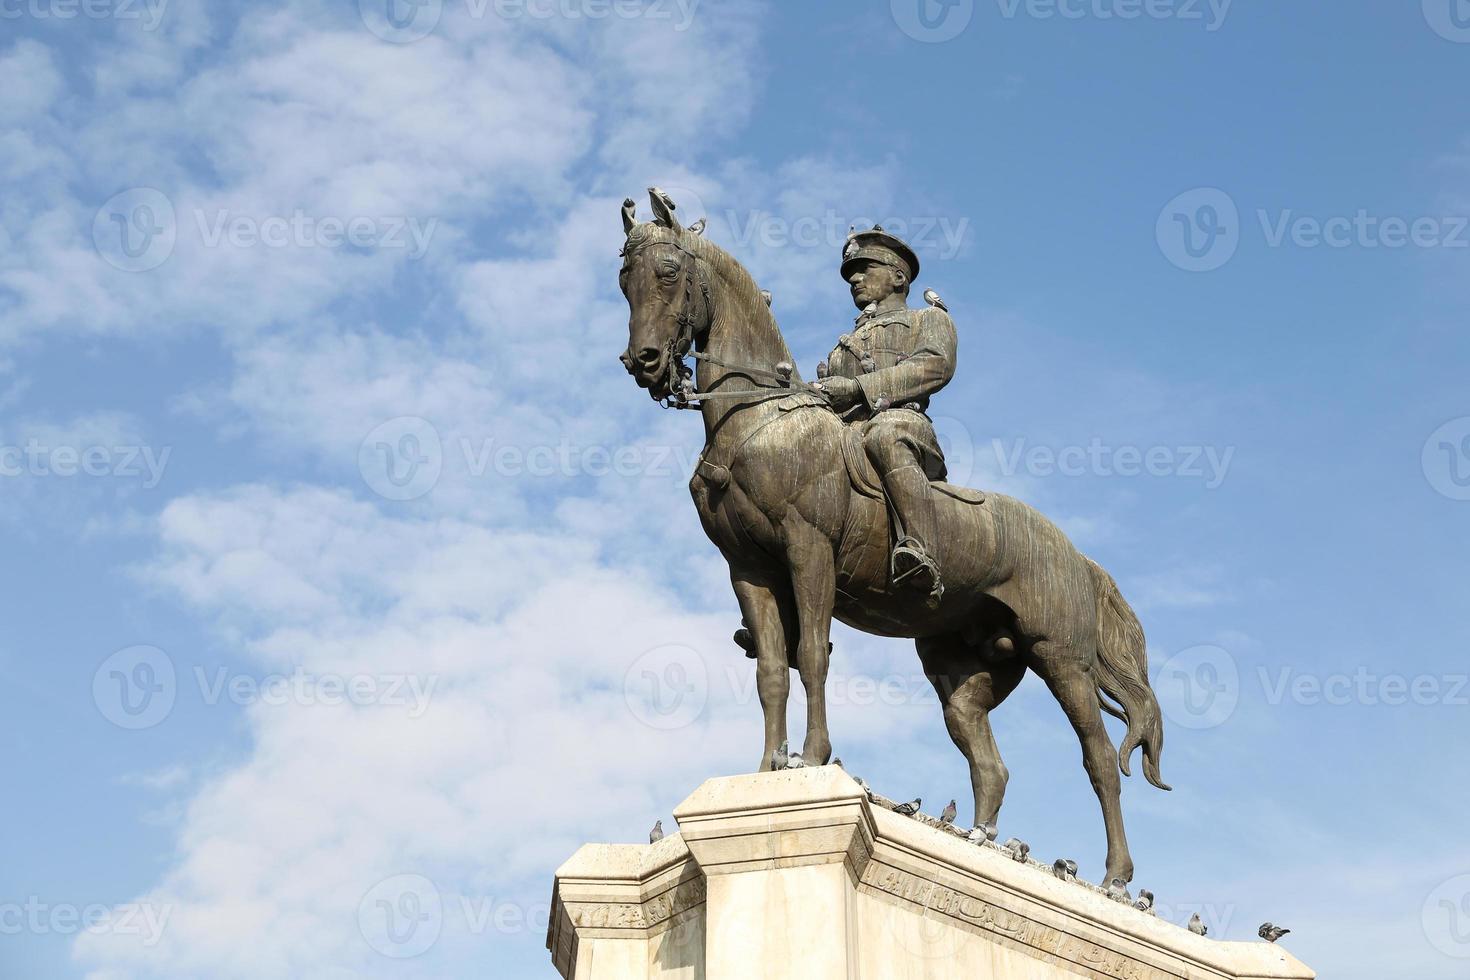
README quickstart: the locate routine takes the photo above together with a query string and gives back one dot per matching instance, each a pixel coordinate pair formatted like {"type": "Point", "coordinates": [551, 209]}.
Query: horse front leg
{"type": "Point", "coordinates": [765, 605]}
{"type": "Point", "coordinates": [814, 586]}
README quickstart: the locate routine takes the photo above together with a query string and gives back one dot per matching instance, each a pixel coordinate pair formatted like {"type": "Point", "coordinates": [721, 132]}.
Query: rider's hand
{"type": "Point", "coordinates": [843, 393]}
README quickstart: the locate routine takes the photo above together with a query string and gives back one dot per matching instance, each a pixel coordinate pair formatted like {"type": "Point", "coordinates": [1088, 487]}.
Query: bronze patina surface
{"type": "Point", "coordinates": [788, 488]}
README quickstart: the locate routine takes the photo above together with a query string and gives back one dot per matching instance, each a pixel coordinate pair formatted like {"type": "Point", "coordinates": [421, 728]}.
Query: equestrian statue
{"type": "Point", "coordinates": [827, 498]}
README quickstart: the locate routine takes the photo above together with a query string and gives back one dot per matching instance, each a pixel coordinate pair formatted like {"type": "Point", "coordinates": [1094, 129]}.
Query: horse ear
{"type": "Point", "coordinates": [630, 217]}
{"type": "Point", "coordinates": [663, 209]}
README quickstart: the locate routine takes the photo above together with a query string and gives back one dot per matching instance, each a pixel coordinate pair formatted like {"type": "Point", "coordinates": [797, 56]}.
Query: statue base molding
{"type": "Point", "coordinates": [798, 874]}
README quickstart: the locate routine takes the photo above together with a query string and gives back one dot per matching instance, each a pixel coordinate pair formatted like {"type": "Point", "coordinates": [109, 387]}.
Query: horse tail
{"type": "Point", "coordinates": [1122, 676]}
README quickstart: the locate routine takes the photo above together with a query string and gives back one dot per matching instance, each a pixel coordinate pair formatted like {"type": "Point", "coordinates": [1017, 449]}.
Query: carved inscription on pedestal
{"type": "Point", "coordinates": [648, 915]}
{"type": "Point", "coordinates": [979, 914]}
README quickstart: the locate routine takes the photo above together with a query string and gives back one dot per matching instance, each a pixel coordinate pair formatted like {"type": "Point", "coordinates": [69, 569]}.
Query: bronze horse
{"type": "Point", "coordinates": [804, 543]}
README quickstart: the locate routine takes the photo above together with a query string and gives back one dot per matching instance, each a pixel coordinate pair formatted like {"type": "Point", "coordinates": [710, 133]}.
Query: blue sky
{"type": "Point", "coordinates": [260, 679]}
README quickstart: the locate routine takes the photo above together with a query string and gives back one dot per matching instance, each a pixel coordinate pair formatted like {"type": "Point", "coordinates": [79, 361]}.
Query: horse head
{"type": "Point", "coordinates": [668, 291]}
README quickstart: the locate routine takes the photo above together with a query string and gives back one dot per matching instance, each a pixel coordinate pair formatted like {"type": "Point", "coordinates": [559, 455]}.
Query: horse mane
{"type": "Point", "coordinates": [741, 288]}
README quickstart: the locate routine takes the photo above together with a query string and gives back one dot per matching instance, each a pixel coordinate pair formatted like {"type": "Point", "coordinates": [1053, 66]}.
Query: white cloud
{"type": "Point", "coordinates": [30, 80]}
{"type": "Point", "coordinates": [66, 472]}
{"type": "Point", "coordinates": [531, 709]}
{"type": "Point", "coordinates": [537, 645]}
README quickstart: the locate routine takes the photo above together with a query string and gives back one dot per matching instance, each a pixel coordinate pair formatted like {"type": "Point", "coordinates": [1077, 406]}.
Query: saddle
{"type": "Point", "coordinates": [863, 475]}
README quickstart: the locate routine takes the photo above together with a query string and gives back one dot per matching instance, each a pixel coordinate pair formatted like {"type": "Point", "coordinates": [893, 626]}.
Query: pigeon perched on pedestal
{"type": "Point", "coordinates": [795, 761]}
{"type": "Point", "coordinates": [1145, 902]}
{"type": "Point", "coordinates": [1065, 869]}
{"type": "Point", "coordinates": [909, 809]}
{"type": "Point", "coordinates": [1197, 925]}
{"type": "Point", "coordinates": [1019, 849]}
{"type": "Point", "coordinates": [862, 783]}
{"type": "Point", "coordinates": [1270, 932]}
{"type": "Point", "coordinates": [780, 757]}
{"type": "Point", "coordinates": [983, 833]}
{"type": "Point", "coordinates": [932, 298]}
{"type": "Point", "coordinates": [657, 833]}
{"type": "Point", "coordinates": [950, 812]}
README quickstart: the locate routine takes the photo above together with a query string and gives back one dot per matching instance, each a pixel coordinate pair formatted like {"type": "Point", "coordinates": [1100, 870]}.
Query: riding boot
{"type": "Point", "coordinates": [913, 506]}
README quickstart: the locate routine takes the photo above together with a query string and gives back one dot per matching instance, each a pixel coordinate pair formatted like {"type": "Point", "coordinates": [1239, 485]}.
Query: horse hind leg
{"type": "Point", "coordinates": [969, 689]}
{"type": "Point", "coordinates": [1070, 679]}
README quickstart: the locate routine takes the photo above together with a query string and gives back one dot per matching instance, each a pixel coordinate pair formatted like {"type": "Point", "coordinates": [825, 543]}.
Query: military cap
{"type": "Point", "coordinates": [877, 245]}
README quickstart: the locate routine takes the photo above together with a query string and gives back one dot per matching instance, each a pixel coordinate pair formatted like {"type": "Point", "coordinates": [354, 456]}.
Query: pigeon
{"type": "Point", "coordinates": [766, 295]}
{"type": "Point", "coordinates": [862, 783]}
{"type": "Point", "coordinates": [1197, 926]}
{"type": "Point", "coordinates": [779, 758]}
{"type": "Point", "coordinates": [908, 809]}
{"type": "Point", "coordinates": [657, 833]}
{"type": "Point", "coordinates": [1065, 869]}
{"type": "Point", "coordinates": [949, 813]}
{"type": "Point", "coordinates": [983, 833]}
{"type": "Point", "coordinates": [1270, 932]}
{"type": "Point", "coordinates": [697, 228]}
{"type": "Point", "coordinates": [1019, 849]}
{"type": "Point", "coordinates": [795, 761]}
{"type": "Point", "coordinates": [1118, 891]}
{"type": "Point", "coordinates": [1145, 902]}
{"type": "Point", "coordinates": [932, 298]}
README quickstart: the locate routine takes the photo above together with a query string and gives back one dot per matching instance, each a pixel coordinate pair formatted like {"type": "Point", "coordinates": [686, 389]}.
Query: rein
{"type": "Point", "coordinates": [784, 383]}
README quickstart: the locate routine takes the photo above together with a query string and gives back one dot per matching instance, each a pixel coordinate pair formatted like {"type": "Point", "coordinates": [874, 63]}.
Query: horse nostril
{"type": "Point", "coordinates": [627, 361]}
{"type": "Point", "coordinates": [648, 357]}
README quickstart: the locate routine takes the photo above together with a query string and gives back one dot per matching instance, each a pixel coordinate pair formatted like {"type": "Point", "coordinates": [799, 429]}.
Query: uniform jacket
{"type": "Point", "coordinates": [904, 356]}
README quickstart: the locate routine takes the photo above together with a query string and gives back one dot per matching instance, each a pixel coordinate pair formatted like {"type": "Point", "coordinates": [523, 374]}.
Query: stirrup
{"type": "Point", "coordinates": [924, 571]}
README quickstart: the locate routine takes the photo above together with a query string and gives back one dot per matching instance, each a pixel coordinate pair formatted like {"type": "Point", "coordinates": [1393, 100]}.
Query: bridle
{"type": "Point", "coordinates": [679, 377]}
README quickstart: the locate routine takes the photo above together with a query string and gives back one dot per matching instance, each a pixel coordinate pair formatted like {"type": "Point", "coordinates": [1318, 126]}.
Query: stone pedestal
{"type": "Point", "coordinates": [797, 874]}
